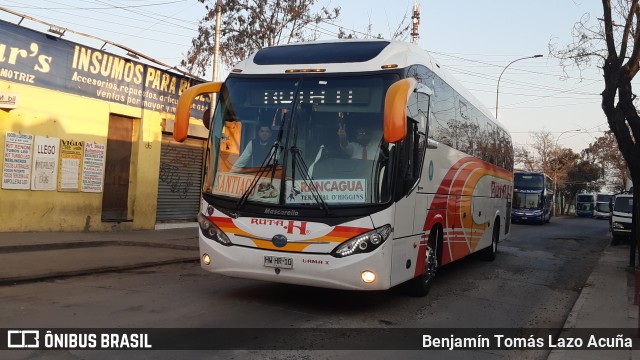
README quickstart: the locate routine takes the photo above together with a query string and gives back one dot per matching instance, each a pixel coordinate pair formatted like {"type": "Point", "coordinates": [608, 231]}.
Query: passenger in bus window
{"type": "Point", "coordinates": [365, 147]}
{"type": "Point", "coordinates": [256, 150]}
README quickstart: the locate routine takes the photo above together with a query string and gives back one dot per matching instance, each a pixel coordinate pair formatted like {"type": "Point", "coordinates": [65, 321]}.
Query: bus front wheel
{"type": "Point", "coordinates": [420, 285]}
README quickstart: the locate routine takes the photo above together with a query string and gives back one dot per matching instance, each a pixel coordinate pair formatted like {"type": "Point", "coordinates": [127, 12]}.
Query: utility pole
{"type": "Point", "coordinates": [216, 51]}
{"type": "Point", "coordinates": [416, 22]}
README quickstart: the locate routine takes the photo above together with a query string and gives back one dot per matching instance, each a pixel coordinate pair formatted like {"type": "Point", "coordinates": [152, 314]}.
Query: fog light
{"type": "Point", "coordinates": [368, 276]}
{"type": "Point", "coordinates": [206, 259]}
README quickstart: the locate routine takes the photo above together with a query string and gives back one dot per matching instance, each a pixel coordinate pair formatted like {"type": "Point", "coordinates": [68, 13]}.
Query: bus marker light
{"type": "Point", "coordinates": [206, 259]}
{"type": "Point", "coordinates": [368, 276]}
{"type": "Point", "coordinates": [389, 66]}
{"type": "Point", "coordinates": [305, 70]}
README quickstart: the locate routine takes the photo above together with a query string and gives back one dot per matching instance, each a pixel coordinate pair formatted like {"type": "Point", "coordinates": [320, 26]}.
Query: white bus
{"type": "Point", "coordinates": [603, 205]}
{"type": "Point", "coordinates": [380, 168]}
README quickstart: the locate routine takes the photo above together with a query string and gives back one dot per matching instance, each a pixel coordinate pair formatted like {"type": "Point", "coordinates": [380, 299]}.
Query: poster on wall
{"type": "Point", "coordinates": [16, 168]}
{"type": "Point", "coordinates": [93, 162]}
{"type": "Point", "coordinates": [70, 164]}
{"type": "Point", "coordinates": [44, 175]}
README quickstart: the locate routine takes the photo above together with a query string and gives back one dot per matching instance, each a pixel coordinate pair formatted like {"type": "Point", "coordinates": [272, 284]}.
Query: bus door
{"type": "Point", "coordinates": [411, 158]}
{"type": "Point", "coordinates": [411, 201]}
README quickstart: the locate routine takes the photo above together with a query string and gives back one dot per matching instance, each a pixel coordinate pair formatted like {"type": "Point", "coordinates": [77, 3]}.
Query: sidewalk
{"type": "Point", "coordinates": [606, 301]}
{"type": "Point", "coordinates": [37, 256]}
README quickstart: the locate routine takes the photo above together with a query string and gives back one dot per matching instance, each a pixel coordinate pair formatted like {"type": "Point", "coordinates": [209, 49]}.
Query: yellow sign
{"type": "Point", "coordinates": [71, 153]}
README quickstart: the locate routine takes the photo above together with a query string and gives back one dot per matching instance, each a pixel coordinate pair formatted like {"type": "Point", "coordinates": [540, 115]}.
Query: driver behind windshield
{"type": "Point", "coordinates": [365, 146]}
{"type": "Point", "coordinates": [258, 149]}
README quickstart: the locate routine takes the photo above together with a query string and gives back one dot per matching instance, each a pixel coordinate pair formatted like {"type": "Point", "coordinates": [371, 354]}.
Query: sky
{"type": "Point", "coordinates": [473, 39]}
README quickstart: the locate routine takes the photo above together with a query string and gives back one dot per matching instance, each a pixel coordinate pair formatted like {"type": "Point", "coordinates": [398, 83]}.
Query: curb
{"type": "Point", "coordinates": [64, 274]}
{"type": "Point", "coordinates": [87, 244]}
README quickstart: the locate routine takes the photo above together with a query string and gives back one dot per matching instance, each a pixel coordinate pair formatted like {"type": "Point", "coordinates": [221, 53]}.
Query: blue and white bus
{"type": "Point", "coordinates": [532, 197]}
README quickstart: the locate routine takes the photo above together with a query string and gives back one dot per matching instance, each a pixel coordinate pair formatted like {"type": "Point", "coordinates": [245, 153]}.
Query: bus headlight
{"type": "Point", "coordinates": [617, 225]}
{"type": "Point", "coordinates": [211, 231]}
{"type": "Point", "coordinates": [363, 243]}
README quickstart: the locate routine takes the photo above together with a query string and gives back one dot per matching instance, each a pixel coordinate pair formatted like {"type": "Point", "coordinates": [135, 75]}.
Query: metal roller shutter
{"type": "Point", "coordinates": [180, 179]}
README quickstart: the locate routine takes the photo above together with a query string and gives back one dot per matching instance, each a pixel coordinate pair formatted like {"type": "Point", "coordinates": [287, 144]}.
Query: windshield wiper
{"type": "Point", "coordinates": [298, 162]}
{"type": "Point", "coordinates": [271, 158]}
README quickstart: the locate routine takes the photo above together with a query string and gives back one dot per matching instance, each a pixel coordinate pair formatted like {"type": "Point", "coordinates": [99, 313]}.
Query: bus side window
{"type": "Point", "coordinates": [421, 133]}
{"type": "Point", "coordinates": [417, 149]}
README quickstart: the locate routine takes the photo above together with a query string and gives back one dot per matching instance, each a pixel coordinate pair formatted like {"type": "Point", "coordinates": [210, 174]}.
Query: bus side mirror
{"type": "Point", "coordinates": [395, 109]}
{"type": "Point", "coordinates": [181, 123]}
{"type": "Point", "coordinates": [206, 118]}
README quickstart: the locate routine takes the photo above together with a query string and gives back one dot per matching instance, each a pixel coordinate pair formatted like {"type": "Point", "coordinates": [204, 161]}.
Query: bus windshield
{"type": "Point", "coordinates": [588, 198]}
{"type": "Point", "coordinates": [527, 201]}
{"type": "Point", "coordinates": [602, 207]}
{"type": "Point", "coordinates": [623, 204]}
{"type": "Point", "coordinates": [300, 141]}
{"type": "Point", "coordinates": [604, 198]}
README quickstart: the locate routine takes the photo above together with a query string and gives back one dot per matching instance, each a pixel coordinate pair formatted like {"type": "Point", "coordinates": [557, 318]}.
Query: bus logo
{"type": "Point", "coordinates": [279, 240]}
{"type": "Point", "coordinates": [302, 228]}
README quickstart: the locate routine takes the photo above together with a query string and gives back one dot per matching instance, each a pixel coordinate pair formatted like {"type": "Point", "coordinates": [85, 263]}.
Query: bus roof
{"type": "Point", "coordinates": [349, 56]}
{"type": "Point", "coordinates": [529, 172]}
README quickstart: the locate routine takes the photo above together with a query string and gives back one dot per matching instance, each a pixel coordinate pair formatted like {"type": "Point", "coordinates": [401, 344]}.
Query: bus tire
{"type": "Point", "coordinates": [615, 240]}
{"type": "Point", "coordinates": [489, 253]}
{"type": "Point", "coordinates": [420, 285]}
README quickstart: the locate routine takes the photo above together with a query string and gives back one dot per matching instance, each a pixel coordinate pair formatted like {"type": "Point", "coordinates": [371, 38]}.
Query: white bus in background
{"type": "Point", "coordinates": [603, 205]}
{"type": "Point", "coordinates": [434, 186]}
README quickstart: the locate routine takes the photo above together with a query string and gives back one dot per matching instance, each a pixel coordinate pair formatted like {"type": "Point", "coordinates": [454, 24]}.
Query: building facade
{"type": "Point", "coordinates": [85, 139]}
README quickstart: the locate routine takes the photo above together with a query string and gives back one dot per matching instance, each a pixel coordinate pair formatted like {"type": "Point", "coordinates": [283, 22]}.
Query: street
{"type": "Point", "coordinates": [533, 283]}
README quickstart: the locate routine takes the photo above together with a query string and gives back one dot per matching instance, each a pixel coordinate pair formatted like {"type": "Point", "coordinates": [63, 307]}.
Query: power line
{"type": "Point", "coordinates": [122, 47]}
{"type": "Point", "coordinates": [97, 8]}
{"type": "Point", "coordinates": [159, 21]}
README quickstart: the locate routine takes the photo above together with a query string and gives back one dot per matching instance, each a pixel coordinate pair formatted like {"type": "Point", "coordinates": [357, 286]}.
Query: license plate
{"type": "Point", "coordinates": [524, 218]}
{"type": "Point", "coordinates": [278, 262]}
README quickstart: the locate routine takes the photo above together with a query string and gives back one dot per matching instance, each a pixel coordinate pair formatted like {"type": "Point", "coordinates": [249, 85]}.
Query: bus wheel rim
{"type": "Point", "coordinates": [430, 265]}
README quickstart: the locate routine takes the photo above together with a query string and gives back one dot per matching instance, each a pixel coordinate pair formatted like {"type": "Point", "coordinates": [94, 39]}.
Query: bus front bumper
{"type": "Point", "coordinates": [517, 216]}
{"type": "Point", "coordinates": [320, 270]}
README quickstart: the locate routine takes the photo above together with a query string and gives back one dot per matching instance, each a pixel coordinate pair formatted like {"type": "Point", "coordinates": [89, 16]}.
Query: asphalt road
{"type": "Point", "coordinates": [533, 283]}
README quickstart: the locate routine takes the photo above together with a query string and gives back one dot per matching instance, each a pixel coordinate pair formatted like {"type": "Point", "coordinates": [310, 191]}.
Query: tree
{"type": "Point", "coordinates": [606, 153]}
{"type": "Point", "coordinates": [249, 25]}
{"type": "Point", "coordinates": [545, 145]}
{"type": "Point", "coordinates": [522, 156]}
{"type": "Point", "coordinates": [562, 161]}
{"type": "Point", "coordinates": [582, 175]}
{"type": "Point", "coordinates": [536, 157]}
{"type": "Point", "coordinates": [614, 43]}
